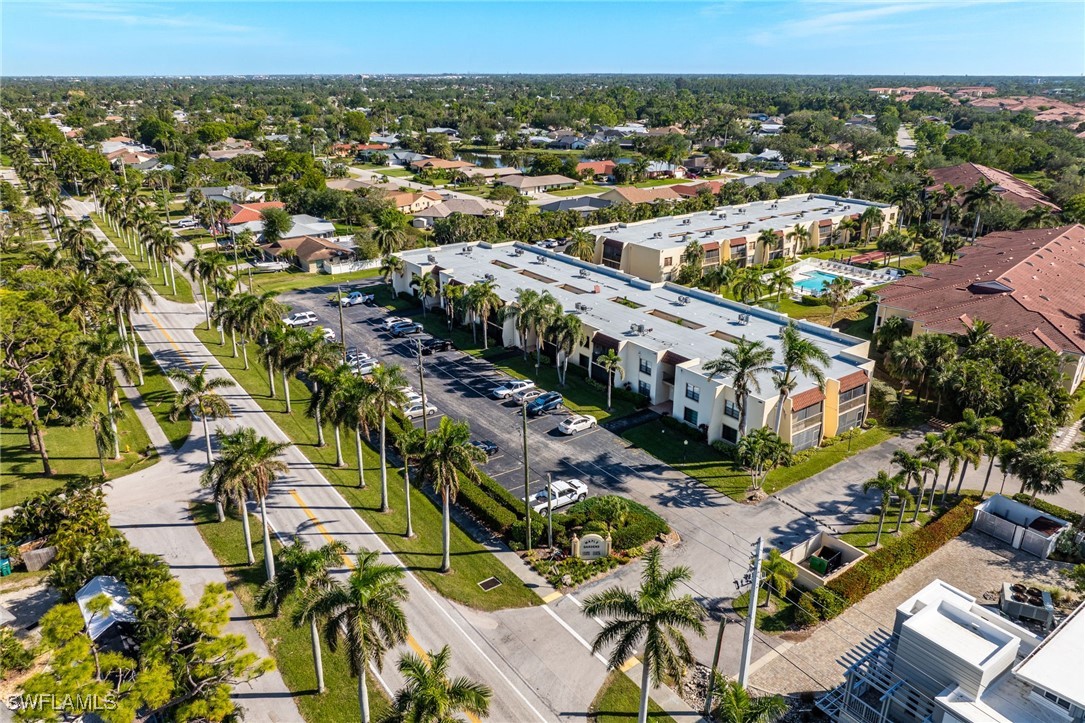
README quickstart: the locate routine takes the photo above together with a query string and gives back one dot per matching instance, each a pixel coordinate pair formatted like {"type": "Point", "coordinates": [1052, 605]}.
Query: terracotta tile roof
{"type": "Point", "coordinates": [809, 398]}
{"type": "Point", "coordinates": [1015, 191]}
{"type": "Point", "coordinates": [246, 212]}
{"type": "Point", "coordinates": [853, 380]}
{"type": "Point", "coordinates": [1027, 284]}
{"type": "Point", "coordinates": [632, 194]}
{"type": "Point", "coordinates": [308, 248]}
{"type": "Point", "coordinates": [599, 168]}
{"type": "Point", "coordinates": [441, 163]}
{"type": "Point", "coordinates": [692, 189]}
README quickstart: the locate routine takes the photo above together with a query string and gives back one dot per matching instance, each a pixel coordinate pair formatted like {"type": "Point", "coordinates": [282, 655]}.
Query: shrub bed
{"type": "Point", "coordinates": [572, 571]}
{"type": "Point", "coordinates": [886, 563]}
{"type": "Point", "coordinates": [637, 526]}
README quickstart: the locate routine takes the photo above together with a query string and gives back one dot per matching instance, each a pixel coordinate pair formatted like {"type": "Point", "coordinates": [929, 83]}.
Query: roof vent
{"type": "Point", "coordinates": [431, 258]}
{"type": "Point", "coordinates": [584, 273]}
{"type": "Point", "coordinates": [490, 277]}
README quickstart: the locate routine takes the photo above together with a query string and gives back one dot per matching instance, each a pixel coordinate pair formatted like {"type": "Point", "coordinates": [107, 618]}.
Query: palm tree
{"type": "Point", "coordinates": [169, 249]}
{"type": "Point", "coordinates": [907, 361]}
{"type": "Point", "coordinates": [330, 385]}
{"type": "Point", "coordinates": [412, 448]}
{"type": "Point", "coordinates": [781, 281]}
{"type": "Point", "coordinates": [355, 405]}
{"type": "Point", "coordinates": [693, 258]}
{"type": "Point", "coordinates": [521, 310]}
{"type": "Point", "coordinates": [197, 396]}
{"type": "Point", "coordinates": [365, 616]}
{"type": "Point", "coordinates": [748, 286]}
{"type": "Point", "coordinates": [847, 227]}
{"type": "Point", "coordinates": [718, 276]}
{"type": "Point", "coordinates": [206, 266]}
{"type": "Point", "coordinates": [767, 239]}
{"type": "Point", "coordinates": [581, 245]}
{"type": "Point", "coordinates": [735, 705]}
{"type": "Point", "coordinates": [777, 572]}
{"type": "Point", "coordinates": [430, 696]}
{"type": "Point", "coordinates": [835, 294]}
{"type": "Point", "coordinates": [101, 357]}
{"type": "Point", "coordinates": [258, 466]}
{"type": "Point", "coordinates": [760, 452]}
{"type": "Point", "coordinates": [390, 266]}
{"type": "Point", "coordinates": [870, 218]}
{"type": "Point", "coordinates": [981, 433]}
{"type": "Point", "coordinates": [482, 300]}
{"type": "Point", "coordinates": [742, 363]}
{"type": "Point", "coordinates": [802, 356]}
{"type": "Point", "coordinates": [104, 426]}
{"type": "Point", "coordinates": [799, 236]}
{"type": "Point", "coordinates": [913, 468]}
{"type": "Point", "coordinates": [448, 453]}
{"type": "Point", "coordinates": [256, 313]}
{"type": "Point", "coordinates": [386, 393]}
{"type": "Point", "coordinates": [127, 289]}
{"type": "Point", "coordinates": [611, 363]}
{"type": "Point", "coordinates": [888, 486]}
{"type": "Point", "coordinates": [1040, 469]}
{"type": "Point", "coordinates": [427, 287]}
{"type": "Point", "coordinates": [226, 479]}
{"type": "Point", "coordinates": [543, 318]}
{"type": "Point", "coordinates": [978, 199]}
{"type": "Point", "coordinates": [653, 615]}
{"type": "Point", "coordinates": [390, 232]}
{"type": "Point", "coordinates": [312, 352]}
{"type": "Point", "coordinates": [300, 570]}
{"type": "Point", "coordinates": [453, 299]}
{"type": "Point", "coordinates": [568, 333]}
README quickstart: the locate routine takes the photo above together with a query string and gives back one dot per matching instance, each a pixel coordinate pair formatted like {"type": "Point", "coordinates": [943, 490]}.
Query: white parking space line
{"type": "Point", "coordinates": [581, 606]}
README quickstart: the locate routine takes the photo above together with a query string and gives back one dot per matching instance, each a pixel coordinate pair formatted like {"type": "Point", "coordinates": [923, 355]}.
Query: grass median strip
{"type": "Point", "coordinates": [619, 700]}
{"type": "Point", "coordinates": [284, 281]}
{"type": "Point", "coordinates": [161, 285]}
{"type": "Point", "coordinates": [288, 644]}
{"type": "Point", "coordinates": [157, 392]}
{"type": "Point", "coordinates": [471, 561]}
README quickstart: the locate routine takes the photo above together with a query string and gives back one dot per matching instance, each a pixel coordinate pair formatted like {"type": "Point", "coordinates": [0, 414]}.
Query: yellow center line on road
{"type": "Point", "coordinates": [414, 644]}
{"type": "Point", "coordinates": [174, 344]}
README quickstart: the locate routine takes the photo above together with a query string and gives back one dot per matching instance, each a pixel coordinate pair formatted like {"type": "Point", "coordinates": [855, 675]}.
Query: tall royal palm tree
{"type": "Point", "coordinates": [978, 199]}
{"type": "Point", "coordinates": [448, 454]}
{"type": "Point", "coordinates": [430, 696]}
{"type": "Point", "coordinates": [225, 478]}
{"type": "Point", "coordinates": [799, 356]}
{"type": "Point", "coordinates": [364, 616]}
{"type": "Point", "coordinates": [256, 314]}
{"type": "Point", "coordinates": [198, 396]}
{"type": "Point", "coordinates": [735, 705]}
{"type": "Point", "coordinates": [581, 245]}
{"type": "Point", "coordinates": [611, 363]}
{"type": "Point", "coordinates": [887, 486]}
{"type": "Point", "coordinates": [312, 352]}
{"type": "Point", "coordinates": [482, 300]}
{"type": "Point", "coordinates": [302, 569]}
{"type": "Point", "coordinates": [412, 448]}
{"type": "Point", "coordinates": [426, 286]}
{"type": "Point", "coordinates": [983, 435]}
{"type": "Point", "coordinates": [913, 469]}
{"type": "Point", "coordinates": [386, 393]}
{"type": "Point", "coordinates": [869, 220]}
{"type": "Point", "coordinates": [741, 364]}
{"type": "Point", "coordinates": [567, 334]}
{"type": "Point", "coordinates": [768, 239]}
{"type": "Point", "coordinates": [330, 389]}
{"type": "Point", "coordinates": [748, 286]}
{"type": "Point", "coordinates": [522, 309]}
{"type": "Point", "coordinates": [799, 236]}
{"type": "Point", "coordinates": [127, 290]}
{"type": "Point", "coordinates": [354, 402]}
{"type": "Point", "coordinates": [278, 354]}
{"type": "Point", "coordinates": [257, 464]}
{"type": "Point", "coordinates": [652, 618]}
{"type": "Point", "coordinates": [100, 359]}
{"type": "Point", "coordinates": [781, 281]}
{"type": "Point", "coordinates": [207, 267]}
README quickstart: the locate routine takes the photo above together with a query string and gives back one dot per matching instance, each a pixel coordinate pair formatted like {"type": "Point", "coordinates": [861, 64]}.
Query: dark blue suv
{"type": "Point", "coordinates": [546, 403]}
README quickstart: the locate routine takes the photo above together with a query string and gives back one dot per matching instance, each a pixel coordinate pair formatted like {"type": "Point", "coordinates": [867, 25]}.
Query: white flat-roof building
{"type": "Point", "coordinates": [951, 660]}
{"type": "Point", "coordinates": [664, 334]}
{"type": "Point", "coordinates": [653, 249]}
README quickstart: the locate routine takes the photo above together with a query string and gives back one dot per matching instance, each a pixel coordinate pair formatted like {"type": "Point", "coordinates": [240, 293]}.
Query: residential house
{"type": "Point", "coordinates": [666, 131]}
{"type": "Point", "coordinates": [570, 143]}
{"type": "Point", "coordinates": [307, 252]}
{"type": "Point", "coordinates": [664, 334]}
{"type": "Point", "coordinates": [689, 190]}
{"type": "Point", "coordinates": [413, 201]}
{"type": "Point", "coordinates": [954, 660]}
{"type": "Point", "coordinates": [653, 249]}
{"type": "Point", "coordinates": [232, 194]}
{"type": "Point", "coordinates": [584, 205]}
{"type": "Point", "coordinates": [349, 184]}
{"type": "Point", "coordinates": [1008, 187]}
{"type": "Point", "coordinates": [598, 169]}
{"type": "Point", "coordinates": [301, 225]}
{"type": "Point", "coordinates": [489, 175]}
{"type": "Point", "coordinates": [247, 212]}
{"type": "Point", "coordinates": [465, 206]}
{"type": "Point", "coordinates": [1026, 284]}
{"type": "Point", "coordinates": [452, 133]}
{"type": "Point", "coordinates": [634, 195]}
{"type": "Point", "coordinates": [663, 169]}
{"type": "Point", "coordinates": [228, 154]}
{"type": "Point", "coordinates": [440, 164]}
{"type": "Point", "coordinates": [113, 630]}
{"type": "Point", "coordinates": [403, 158]}
{"type": "Point", "coordinates": [534, 185]}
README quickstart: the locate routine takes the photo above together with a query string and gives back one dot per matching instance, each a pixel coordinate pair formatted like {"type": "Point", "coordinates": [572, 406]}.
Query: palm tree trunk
{"type": "Point", "coordinates": [271, 378]}
{"type": "Point", "coordinates": [338, 449]}
{"type": "Point", "coordinates": [949, 477]}
{"type": "Point", "coordinates": [245, 352]}
{"type": "Point", "coordinates": [987, 478]}
{"type": "Point", "coordinates": [219, 511]}
{"type": "Point", "coordinates": [206, 305]}
{"type": "Point", "coordinates": [112, 426]}
{"type": "Point", "coordinates": [361, 459]}
{"type": "Point", "coordinates": [206, 437]}
{"type": "Point", "coordinates": [269, 558]}
{"type": "Point", "coordinates": [173, 278]}
{"type": "Point", "coordinates": [780, 407]}
{"type": "Point", "coordinates": [363, 692]}
{"type": "Point", "coordinates": [900, 519]}
{"type": "Point", "coordinates": [286, 391]}
{"type": "Point", "coordinates": [318, 663]}
{"type": "Point", "coordinates": [919, 497]}
{"type": "Point", "coordinates": [881, 523]}
{"type": "Point", "coordinates": [244, 510]}
{"type": "Point", "coordinates": [610, 389]}
{"type": "Point", "coordinates": [446, 561]}
{"type": "Point", "coordinates": [233, 343]}
{"type": "Point", "coordinates": [384, 465]}
{"type": "Point", "coordinates": [645, 683]}
{"type": "Point", "coordinates": [960, 480]}
{"type": "Point", "coordinates": [407, 498]}
{"type": "Point", "coordinates": [485, 333]}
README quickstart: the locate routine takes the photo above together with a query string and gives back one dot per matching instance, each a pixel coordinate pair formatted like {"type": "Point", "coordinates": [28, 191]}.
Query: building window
{"type": "Point", "coordinates": [729, 434]}
{"type": "Point", "coordinates": [807, 438]}
{"type": "Point", "coordinates": [668, 261]}
{"type": "Point", "coordinates": [644, 388]}
{"type": "Point", "coordinates": [859, 391]}
{"type": "Point", "coordinates": [690, 415]}
{"type": "Point", "coordinates": [645, 366]}
{"type": "Point", "coordinates": [693, 392]}
{"type": "Point", "coordinates": [730, 409]}
{"type": "Point", "coordinates": [851, 419]}
{"type": "Point", "coordinates": [801, 415]}
{"type": "Point", "coordinates": [1061, 702]}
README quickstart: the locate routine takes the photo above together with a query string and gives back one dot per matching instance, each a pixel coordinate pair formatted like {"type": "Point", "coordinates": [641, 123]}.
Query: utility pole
{"type": "Point", "coordinates": [751, 616]}
{"type": "Point", "coordinates": [422, 386]}
{"type": "Point", "coordinates": [339, 302]}
{"type": "Point", "coordinates": [712, 672]}
{"type": "Point", "coordinates": [527, 480]}
{"type": "Point", "coordinates": [549, 512]}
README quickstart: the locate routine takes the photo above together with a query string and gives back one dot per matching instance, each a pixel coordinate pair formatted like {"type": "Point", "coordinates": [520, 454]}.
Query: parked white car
{"type": "Point", "coordinates": [329, 334]}
{"type": "Point", "coordinates": [391, 321]}
{"type": "Point", "coordinates": [577, 423]}
{"type": "Point", "coordinates": [301, 318]}
{"type": "Point", "coordinates": [566, 492]}
{"type": "Point", "coordinates": [416, 410]}
{"type": "Point", "coordinates": [511, 387]}
{"type": "Point", "coordinates": [354, 298]}
{"type": "Point", "coordinates": [271, 266]}
{"type": "Point", "coordinates": [526, 395]}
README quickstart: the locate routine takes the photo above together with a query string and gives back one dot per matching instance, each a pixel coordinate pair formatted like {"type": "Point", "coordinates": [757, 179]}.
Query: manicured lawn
{"type": "Point", "coordinates": [619, 700]}
{"type": "Point", "coordinates": [158, 392]}
{"type": "Point", "coordinates": [72, 453]}
{"type": "Point", "coordinates": [661, 182]}
{"type": "Point", "coordinates": [856, 319]}
{"type": "Point", "coordinates": [705, 464]}
{"type": "Point", "coordinates": [346, 229]}
{"type": "Point", "coordinates": [576, 191]}
{"type": "Point", "coordinates": [282, 281]}
{"type": "Point", "coordinates": [471, 562]}
{"type": "Point", "coordinates": [161, 285]}
{"type": "Point", "coordinates": [386, 170]}
{"type": "Point", "coordinates": [863, 534]}
{"type": "Point", "coordinates": [772, 617]}
{"type": "Point", "coordinates": [288, 644]}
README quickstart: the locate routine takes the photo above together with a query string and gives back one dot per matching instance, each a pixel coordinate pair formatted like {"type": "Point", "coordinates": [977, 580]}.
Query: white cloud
{"type": "Point", "coordinates": [144, 15]}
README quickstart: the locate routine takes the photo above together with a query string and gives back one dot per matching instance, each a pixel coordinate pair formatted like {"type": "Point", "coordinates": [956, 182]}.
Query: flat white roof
{"type": "Point", "coordinates": [708, 322]}
{"type": "Point", "coordinates": [1058, 664]}
{"type": "Point", "coordinates": [1007, 700]}
{"type": "Point", "coordinates": [975, 645]}
{"type": "Point", "coordinates": [783, 217]}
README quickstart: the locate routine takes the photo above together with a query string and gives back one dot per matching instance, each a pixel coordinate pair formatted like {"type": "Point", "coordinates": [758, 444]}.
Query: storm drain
{"type": "Point", "coordinates": [489, 583]}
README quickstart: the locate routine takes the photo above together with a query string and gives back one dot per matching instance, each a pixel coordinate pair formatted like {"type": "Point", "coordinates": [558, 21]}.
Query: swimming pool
{"type": "Point", "coordinates": [814, 281]}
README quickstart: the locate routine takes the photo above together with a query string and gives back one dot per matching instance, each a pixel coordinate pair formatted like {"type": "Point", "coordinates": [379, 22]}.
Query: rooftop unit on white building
{"type": "Point", "coordinates": [664, 334]}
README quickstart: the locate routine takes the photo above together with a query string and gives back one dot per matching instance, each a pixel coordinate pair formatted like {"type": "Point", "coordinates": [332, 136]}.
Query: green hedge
{"type": "Point", "coordinates": [641, 525]}
{"type": "Point", "coordinates": [1049, 509]}
{"type": "Point", "coordinates": [886, 563]}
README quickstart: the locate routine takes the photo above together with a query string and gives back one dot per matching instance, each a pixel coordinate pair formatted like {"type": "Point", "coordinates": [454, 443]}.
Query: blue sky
{"type": "Point", "coordinates": [916, 37]}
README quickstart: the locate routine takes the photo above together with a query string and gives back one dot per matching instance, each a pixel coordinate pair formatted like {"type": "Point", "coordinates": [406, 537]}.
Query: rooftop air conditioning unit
{"type": "Point", "coordinates": [687, 221]}
{"type": "Point", "coordinates": [584, 273]}
{"type": "Point", "coordinates": [432, 259]}
{"type": "Point", "coordinates": [741, 210]}
{"type": "Point", "coordinates": [467, 250]}
{"type": "Point", "coordinates": [518, 252]}
{"type": "Point", "coordinates": [491, 277]}
{"type": "Point", "coordinates": [633, 328]}
{"type": "Point", "coordinates": [683, 300]}
{"type": "Point", "coordinates": [744, 318]}
{"type": "Point", "coordinates": [640, 328]}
